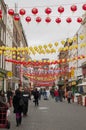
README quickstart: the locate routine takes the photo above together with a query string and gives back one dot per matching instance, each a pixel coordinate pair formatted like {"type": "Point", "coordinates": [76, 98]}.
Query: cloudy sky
{"type": "Point", "coordinates": [43, 33]}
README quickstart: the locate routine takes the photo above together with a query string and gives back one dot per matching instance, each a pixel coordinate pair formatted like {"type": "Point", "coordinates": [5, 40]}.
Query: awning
{"type": "Point", "coordinates": [83, 64]}
{"type": "Point", "coordinates": [82, 84]}
{"type": "Point", "coordinates": [3, 73]}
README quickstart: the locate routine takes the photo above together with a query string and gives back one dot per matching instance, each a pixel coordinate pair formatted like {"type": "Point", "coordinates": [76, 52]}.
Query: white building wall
{"type": "Point", "coordinates": [9, 38]}
{"type": "Point", "coordinates": [81, 51]}
{"type": "Point", "coordinates": [73, 63]}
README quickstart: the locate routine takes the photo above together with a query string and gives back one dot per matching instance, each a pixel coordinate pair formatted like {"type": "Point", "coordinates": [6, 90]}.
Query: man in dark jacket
{"type": "Point", "coordinates": [36, 97]}
{"type": "Point", "coordinates": [26, 98]}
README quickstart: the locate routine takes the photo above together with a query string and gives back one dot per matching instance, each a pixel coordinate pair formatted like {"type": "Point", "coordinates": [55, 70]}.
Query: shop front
{"type": "Point", "coordinates": [84, 70]}
{"type": "Point", "coordinates": [2, 79]}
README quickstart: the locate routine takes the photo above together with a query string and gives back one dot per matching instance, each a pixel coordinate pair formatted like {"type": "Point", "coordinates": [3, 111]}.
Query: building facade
{"type": "Point", "coordinates": [9, 41]}
{"type": "Point", "coordinates": [3, 21]}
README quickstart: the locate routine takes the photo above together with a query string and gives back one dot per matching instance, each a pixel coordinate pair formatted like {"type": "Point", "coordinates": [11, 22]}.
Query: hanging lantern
{"type": "Point", "coordinates": [48, 19]}
{"type": "Point", "coordinates": [45, 46]}
{"type": "Point", "coordinates": [63, 42]}
{"type": "Point", "coordinates": [81, 37]}
{"type": "Point", "coordinates": [11, 12]}
{"type": "Point", "coordinates": [60, 9]}
{"type": "Point", "coordinates": [84, 7]}
{"type": "Point", "coordinates": [50, 45]}
{"type": "Point", "coordinates": [40, 47]}
{"type": "Point", "coordinates": [0, 16]}
{"type": "Point", "coordinates": [16, 18]}
{"type": "Point", "coordinates": [0, 11]}
{"type": "Point", "coordinates": [73, 8]}
{"type": "Point", "coordinates": [34, 11]}
{"type": "Point", "coordinates": [28, 19]}
{"type": "Point", "coordinates": [68, 20]}
{"type": "Point", "coordinates": [79, 20]}
{"type": "Point", "coordinates": [58, 20]}
{"type": "Point", "coordinates": [22, 11]}
{"type": "Point", "coordinates": [48, 10]}
{"type": "Point", "coordinates": [56, 44]}
{"type": "Point", "coordinates": [38, 19]}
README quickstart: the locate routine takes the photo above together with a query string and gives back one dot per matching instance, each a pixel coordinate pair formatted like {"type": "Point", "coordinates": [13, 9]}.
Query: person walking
{"type": "Point", "coordinates": [56, 94]}
{"type": "Point", "coordinates": [69, 96]}
{"type": "Point", "coordinates": [26, 98]}
{"type": "Point", "coordinates": [18, 105]}
{"type": "Point", "coordinates": [36, 97]}
{"type": "Point", "coordinates": [9, 96]}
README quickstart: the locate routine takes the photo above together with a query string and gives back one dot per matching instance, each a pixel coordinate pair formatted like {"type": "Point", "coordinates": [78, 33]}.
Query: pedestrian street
{"type": "Point", "coordinates": [51, 115]}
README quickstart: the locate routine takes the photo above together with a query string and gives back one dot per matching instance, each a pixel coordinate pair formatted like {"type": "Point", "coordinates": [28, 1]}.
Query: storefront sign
{"type": "Point", "coordinates": [9, 74]}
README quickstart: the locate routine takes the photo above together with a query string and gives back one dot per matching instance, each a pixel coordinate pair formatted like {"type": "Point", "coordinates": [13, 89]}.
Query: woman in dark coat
{"type": "Point", "coordinates": [18, 108]}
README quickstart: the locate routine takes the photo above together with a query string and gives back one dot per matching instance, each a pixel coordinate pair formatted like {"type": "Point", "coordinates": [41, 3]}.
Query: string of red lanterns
{"type": "Point", "coordinates": [47, 19]}
{"type": "Point", "coordinates": [48, 11]}
{"type": "Point", "coordinates": [57, 20]}
{"type": "Point", "coordinates": [60, 61]}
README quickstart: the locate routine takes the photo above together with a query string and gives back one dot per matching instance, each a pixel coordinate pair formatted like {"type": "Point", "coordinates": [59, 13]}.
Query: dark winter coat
{"type": "Point", "coordinates": [36, 94]}
{"type": "Point", "coordinates": [16, 103]}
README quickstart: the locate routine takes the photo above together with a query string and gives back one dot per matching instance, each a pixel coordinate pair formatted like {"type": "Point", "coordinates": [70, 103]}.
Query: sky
{"type": "Point", "coordinates": [43, 33]}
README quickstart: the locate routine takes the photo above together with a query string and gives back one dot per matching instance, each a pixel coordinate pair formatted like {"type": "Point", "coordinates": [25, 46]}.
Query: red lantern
{"type": "Point", "coordinates": [34, 11]}
{"type": "Point", "coordinates": [60, 9]}
{"type": "Point", "coordinates": [79, 20]}
{"type": "Point", "coordinates": [11, 12]}
{"type": "Point", "coordinates": [68, 20]}
{"type": "Point", "coordinates": [73, 8]}
{"type": "Point", "coordinates": [84, 7]}
{"type": "Point", "coordinates": [28, 19]}
{"type": "Point", "coordinates": [22, 11]}
{"type": "Point", "coordinates": [0, 16]}
{"type": "Point", "coordinates": [0, 11]}
{"type": "Point", "coordinates": [38, 19]}
{"type": "Point", "coordinates": [58, 20]}
{"type": "Point", "coordinates": [48, 19]}
{"type": "Point", "coordinates": [16, 18]}
{"type": "Point", "coordinates": [48, 10]}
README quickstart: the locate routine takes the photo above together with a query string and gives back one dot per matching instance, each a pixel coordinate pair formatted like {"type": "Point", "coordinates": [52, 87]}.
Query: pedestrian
{"type": "Point", "coordinates": [9, 96]}
{"type": "Point", "coordinates": [18, 105]}
{"type": "Point", "coordinates": [47, 93]}
{"type": "Point", "coordinates": [36, 97]}
{"type": "Point", "coordinates": [69, 96]}
{"type": "Point", "coordinates": [60, 94]}
{"type": "Point", "coordinates": [56, 94]}
{"type": "Point", "coordinates": [3, 108]}
{"type": "Point", "coordinates": [2, 97]}
{"type": "Point", "coordinates": [26, 98]}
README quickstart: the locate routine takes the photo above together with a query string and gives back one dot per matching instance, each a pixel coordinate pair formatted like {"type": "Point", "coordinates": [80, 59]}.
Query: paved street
{"type": "Point", "coordinates": [53, 116]}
